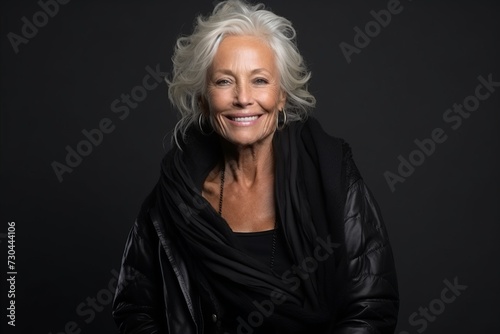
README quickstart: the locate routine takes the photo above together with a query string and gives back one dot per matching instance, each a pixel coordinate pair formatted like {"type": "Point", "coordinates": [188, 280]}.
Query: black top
{"type": "Point", "coordinates": [260, 246]}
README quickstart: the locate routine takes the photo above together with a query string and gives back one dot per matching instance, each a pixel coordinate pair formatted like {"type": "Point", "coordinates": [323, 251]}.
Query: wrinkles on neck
{"type": "Point", "coordinates": [250, 164]}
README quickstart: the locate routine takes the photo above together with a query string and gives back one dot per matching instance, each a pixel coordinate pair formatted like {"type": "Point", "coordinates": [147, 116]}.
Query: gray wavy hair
{"type": "Point", "coordinates": [193, 56]}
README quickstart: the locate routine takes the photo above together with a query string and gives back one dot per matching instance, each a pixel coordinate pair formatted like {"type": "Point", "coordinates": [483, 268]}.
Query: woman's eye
{"type": "Point", "coordinates": [261, 81]}
{"type": "Point", "coordinates": [222, 82]}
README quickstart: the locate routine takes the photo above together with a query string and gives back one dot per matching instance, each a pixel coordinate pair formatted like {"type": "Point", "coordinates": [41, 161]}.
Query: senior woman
{"type": "Point", "coordinates": [260, 222]}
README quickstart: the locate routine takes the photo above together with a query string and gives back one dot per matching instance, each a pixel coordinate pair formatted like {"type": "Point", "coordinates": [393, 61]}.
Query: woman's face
{"type": "Point", "coordinates": [244, 94]}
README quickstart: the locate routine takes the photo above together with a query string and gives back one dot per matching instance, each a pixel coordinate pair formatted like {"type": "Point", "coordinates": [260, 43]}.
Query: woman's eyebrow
{"type": "Point", "coordinates": [229, 71]}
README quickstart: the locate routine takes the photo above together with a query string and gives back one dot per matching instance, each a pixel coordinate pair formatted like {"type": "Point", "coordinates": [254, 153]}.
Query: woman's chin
{"type": "Point", "coordinates": [246, 139]}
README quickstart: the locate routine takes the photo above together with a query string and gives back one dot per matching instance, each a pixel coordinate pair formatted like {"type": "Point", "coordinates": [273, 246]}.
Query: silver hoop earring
{"type": "Point", "coordinates": [281, 123]}
{"type": "Point", "coordinates": [200, 125]}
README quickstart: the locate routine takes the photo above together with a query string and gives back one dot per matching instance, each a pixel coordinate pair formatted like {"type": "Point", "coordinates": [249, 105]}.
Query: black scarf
{"type": "Point", "coordinates": [310, 196]}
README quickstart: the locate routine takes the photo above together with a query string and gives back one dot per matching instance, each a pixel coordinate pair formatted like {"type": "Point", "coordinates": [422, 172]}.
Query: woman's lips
{"type": "Point", "coordinates": [243, 120]}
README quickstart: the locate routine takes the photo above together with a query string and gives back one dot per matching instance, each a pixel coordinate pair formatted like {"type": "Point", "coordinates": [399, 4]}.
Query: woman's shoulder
{"type": "Point", "coordinates": [312, 130]}
{"type": "Point", "coordinates": [351, 171]}
{"type": "Point", "coordinates": [336, 148]}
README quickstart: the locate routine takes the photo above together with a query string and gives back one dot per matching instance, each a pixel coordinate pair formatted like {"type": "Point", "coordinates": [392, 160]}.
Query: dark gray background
{"type": "Point", "coordinates": [443, 220]}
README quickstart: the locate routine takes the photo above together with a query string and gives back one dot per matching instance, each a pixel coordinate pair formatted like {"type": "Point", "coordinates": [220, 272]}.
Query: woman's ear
{"type": "Point", "coordinates": [282, 100]}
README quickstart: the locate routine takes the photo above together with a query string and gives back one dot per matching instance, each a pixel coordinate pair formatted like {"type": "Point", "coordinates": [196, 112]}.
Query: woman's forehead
{"type": "Point", "coordinates": [248, 52]}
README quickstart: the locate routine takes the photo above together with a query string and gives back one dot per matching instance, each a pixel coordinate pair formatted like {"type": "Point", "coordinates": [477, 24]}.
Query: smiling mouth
{"type": "Point", "coordinates": [243, 119]}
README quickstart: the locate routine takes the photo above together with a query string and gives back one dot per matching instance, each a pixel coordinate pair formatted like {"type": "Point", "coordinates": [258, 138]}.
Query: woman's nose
{"type": "Point", "coordinates": [243, 95]}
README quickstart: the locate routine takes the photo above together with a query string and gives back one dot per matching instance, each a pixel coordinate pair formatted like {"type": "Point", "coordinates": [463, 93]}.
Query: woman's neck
{"type": "Point", "coordinates": [246, 165]}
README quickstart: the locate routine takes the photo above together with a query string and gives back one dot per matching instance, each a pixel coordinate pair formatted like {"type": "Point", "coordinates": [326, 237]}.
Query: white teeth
{"type": "Point", "coordinates": [245, 119]}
